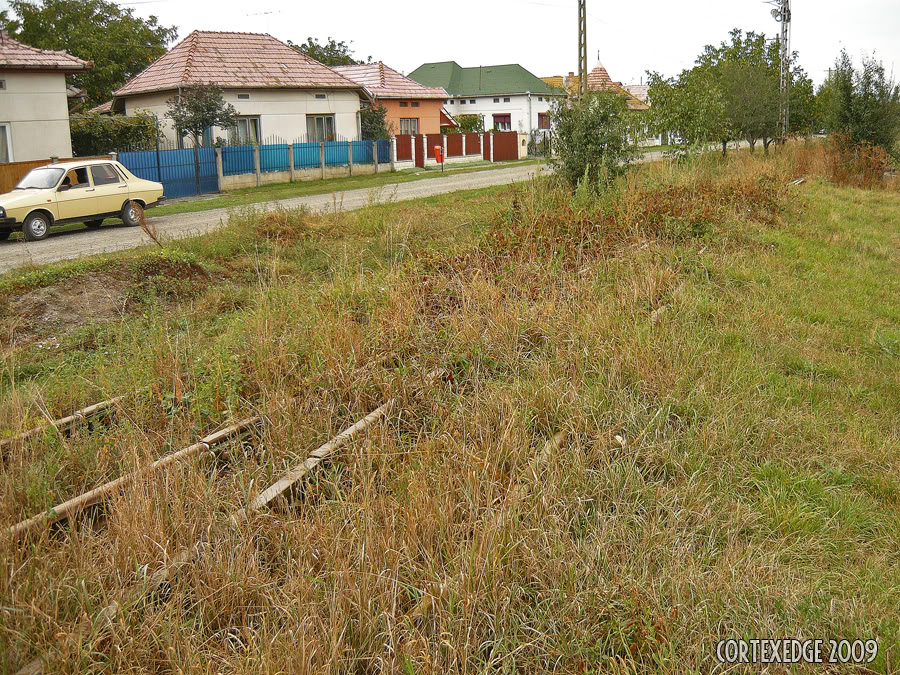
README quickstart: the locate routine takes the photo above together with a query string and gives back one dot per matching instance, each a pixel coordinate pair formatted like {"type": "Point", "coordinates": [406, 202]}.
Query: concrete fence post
{"type": "Point", "coordinates": [220, 170]}
{"type": "Point", "coordinates": [113, 155]}
{"type": "Point", "coordinates": [375, 154]}
{"type": "Point", "coordinates": [445, 147]}
{"type": "Point", "coordinates": [256, 165]}
{"type": "Point", "coordinates": [393, 153]}
{"type": "Point", "coordinates": [491, 140]}
{"type": "Point", "coordinates": [350, 156]}
{"type": "Point", "coordinates": [322, 159]}
{"type": "Point", "coordinates": [464, 145]}
{"type": "Point", "coordinates": [291, 160]}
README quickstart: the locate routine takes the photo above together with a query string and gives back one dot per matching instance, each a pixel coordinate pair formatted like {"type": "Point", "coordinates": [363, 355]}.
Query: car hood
{"type": "Point", "coordinates": [17, 198]}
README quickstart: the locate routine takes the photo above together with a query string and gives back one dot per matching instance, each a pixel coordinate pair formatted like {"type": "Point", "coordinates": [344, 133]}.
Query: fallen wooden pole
{"type": "Point", "coordinates": [61, 424]}
{"type": "Point", "coordinates": [76, 504]}
{"type": "Point", "coordinates": [195, 552]}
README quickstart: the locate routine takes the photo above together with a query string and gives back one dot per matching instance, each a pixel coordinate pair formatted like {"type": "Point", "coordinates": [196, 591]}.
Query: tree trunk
{"type": "Point", "coordinates": [752, 141]}
{"type": "Point", "coordinates": [724, 148]}
{"type": "Point", "coordinates": [197, 161]}
{"type": "Point", "coordinates": [766, 142]}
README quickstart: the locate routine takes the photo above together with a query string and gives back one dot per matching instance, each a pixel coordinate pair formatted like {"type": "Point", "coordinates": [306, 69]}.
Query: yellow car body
{"type": "Point", "coordinates": [69, 192]}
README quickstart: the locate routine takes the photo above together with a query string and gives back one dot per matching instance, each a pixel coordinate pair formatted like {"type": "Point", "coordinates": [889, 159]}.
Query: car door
{"type": "Point", "coordinates": [109, 187]}
{"type": "Point", "coordinates": [76, 197]}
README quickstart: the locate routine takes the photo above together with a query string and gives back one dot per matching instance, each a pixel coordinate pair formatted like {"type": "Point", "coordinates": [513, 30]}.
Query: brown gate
{"type": "Point", "coordinates": [420, 151]}
{"type": "Point", "coordinates": [404, 148]}
{"type": "Point", "coordinates": [506, 146]}
{"type": "Point", "coordinates": [486, 147]}
{"type": "Point", "coordinates": [473, 144]}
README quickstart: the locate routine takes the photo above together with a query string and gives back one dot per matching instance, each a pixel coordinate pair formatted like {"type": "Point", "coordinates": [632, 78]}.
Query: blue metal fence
{"type": "Point", "coordinates": [307, 156]}
{"type": "Point", "coordinates": [175, 169]}
{"type": "Point", "coordinates": [363, 152]}
{"type": "Point", "coordinates": [336, 153]}
{"type": "Point", "coordinates": [384, 151]}
{"type": "Point", "coordinates": [274, 158]}
{"type": "Point", "coordinates": [237, 159]}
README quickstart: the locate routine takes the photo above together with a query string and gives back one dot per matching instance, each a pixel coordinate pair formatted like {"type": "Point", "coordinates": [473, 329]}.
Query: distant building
{"type": "Point", "coordinates": [598, 80]}
{"type": "Point", "coordinates": [506, 97]}
{"type": "Point", "coordinates": [34, 101]}
{"type": "Point", "coordinates": [412, 108]}
{"type": "Point", "coordinates": [277, 91]}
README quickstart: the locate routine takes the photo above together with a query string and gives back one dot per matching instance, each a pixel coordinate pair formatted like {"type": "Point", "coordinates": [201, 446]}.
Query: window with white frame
{"type": "Point", "coordinates": [409, 125]}
{"type": "Point", "coordinates": [319, 128]}
{"type": "Point", "coordinates": [5, 145]}
{"type": "Point", "coordinates": [2, 84]}
{"type": "Point", "coordinates": [245, 131]}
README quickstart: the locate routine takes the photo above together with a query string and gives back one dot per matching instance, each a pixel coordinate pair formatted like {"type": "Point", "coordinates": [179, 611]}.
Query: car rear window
{"type": "Point", "coordinates": [104, 174]}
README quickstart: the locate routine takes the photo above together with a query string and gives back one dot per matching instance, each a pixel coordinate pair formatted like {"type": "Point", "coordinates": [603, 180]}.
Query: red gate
{"type": "Point", "coordinates": [404, 148]}
{"type": "Point", "coordinates": [486, 147]}
{"type": "Point", "coordinates": [506, 146]}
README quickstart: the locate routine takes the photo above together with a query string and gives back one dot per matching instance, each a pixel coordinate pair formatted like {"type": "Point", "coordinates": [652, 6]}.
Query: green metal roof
{"type": "Point", "coordinates": [481, 81]}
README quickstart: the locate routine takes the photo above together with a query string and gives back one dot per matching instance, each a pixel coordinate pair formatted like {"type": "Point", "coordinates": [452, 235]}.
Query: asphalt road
{"type": "Point", "coordinates": [78, 243]}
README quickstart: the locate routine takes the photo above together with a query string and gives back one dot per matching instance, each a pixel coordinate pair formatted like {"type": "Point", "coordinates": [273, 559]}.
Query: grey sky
{"type": "Point", "coordinates": [631, 36]}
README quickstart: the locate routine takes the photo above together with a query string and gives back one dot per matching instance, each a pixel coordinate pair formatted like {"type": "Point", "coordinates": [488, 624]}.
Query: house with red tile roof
{"type": "Point", "coordinates": [412, 108]}
{"type": "Point", "coordinates": [277, 91]}
{"type": "Point", "coordinates": [34, 106]}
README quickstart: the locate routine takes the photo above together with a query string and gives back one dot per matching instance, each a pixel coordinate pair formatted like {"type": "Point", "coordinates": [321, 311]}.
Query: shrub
{"type": "Point", "coordinates": [594, 139]}
{"type": "Point", "coordinates": [94, 134]}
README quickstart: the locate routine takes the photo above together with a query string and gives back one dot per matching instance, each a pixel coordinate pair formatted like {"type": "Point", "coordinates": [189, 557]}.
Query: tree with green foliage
{"type": "Point", "coordinates": [197, 108]}
{"type": "Point", "coordinates": [690, 108]}
{"type": "Point", "coordinates": [863, 104]}
{"type": "Point", "coordinates": [468, 124]}
{"type": "Point", "coordinates": [373, 123]}
{"type": "Point", "coordinates": [594, 139]}
{"type": "Point", "coordinates": [331, 53]}
{"type": "Point", "coordinates": [120, 44]}
{"type": "Point", "coordinates": [94, 134]}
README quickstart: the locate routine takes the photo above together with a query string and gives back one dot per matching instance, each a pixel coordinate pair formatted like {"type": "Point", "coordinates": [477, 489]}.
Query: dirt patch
{"type": "Point", "coordinates": [67, 306]}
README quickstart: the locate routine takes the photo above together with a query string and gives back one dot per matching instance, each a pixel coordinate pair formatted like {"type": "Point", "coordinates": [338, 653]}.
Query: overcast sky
{"type": "Point", "coordinates": [631, 36]}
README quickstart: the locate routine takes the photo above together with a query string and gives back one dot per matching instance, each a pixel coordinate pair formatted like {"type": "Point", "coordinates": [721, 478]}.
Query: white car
{"type": "Point", "coordinates": [75, 192]}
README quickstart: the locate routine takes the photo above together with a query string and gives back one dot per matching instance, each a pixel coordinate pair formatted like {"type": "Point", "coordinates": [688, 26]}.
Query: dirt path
{"type": "Point", "coordinates": [77, 243]}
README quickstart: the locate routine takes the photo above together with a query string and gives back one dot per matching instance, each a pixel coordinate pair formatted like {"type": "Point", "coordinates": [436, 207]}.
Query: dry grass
{"type": "Point", "coordinates": [722, 366]}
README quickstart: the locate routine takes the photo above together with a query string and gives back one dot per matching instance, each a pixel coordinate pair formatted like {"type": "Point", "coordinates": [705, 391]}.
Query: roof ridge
{"type": "Point", "coordinates": [381, 72]}
{"type": "Point", "coordinates": [189, 60]}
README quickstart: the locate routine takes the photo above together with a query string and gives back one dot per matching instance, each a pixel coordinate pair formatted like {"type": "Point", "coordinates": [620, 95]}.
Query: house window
{"type": "Point", "coordinates": [409, 126]}
{"type": "Point", "coordinates": [452, 101]}
{"type": "Point", "coordinates": [319, 128]}
{"type": "Point", "coordinates": [415, 104]}
{"type": "Point", "coordinates": [2, 84]}
{"type": "Point", "coordinates": [543, 121]}
{"type": "Point", "coordinates": [321, 97]}
{"type": "Point", "coordinates": [404, 104]}
{"type": "Point", "coordinates": [506, 100]}
{"type": "Point", "coordinates": [462, 101]}
{"type": "Point", "coordinates": [496, 100]}
{"type": "Point", "coordinates": [502, 122]}
{"type": "Point", "coordinates": [5, 146]}
{"type": "Point", "coordinates": [540, 99]}
{"type": "Point", "coordinates": [243, 97]}
{"type": "Point", "coordinates": [472, 101]}
{"type": "Point", "coordinates": [245, 131]}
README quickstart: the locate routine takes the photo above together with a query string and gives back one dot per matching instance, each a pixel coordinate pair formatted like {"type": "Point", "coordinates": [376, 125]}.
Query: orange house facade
{"type": "Point", "coordinates": [412, 108]}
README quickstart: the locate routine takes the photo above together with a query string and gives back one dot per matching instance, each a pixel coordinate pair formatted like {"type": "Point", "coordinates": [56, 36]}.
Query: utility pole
{"type": "Point", "coordinates": [582, 47]}
{"type": "Point", "coordinates": [782, 14]}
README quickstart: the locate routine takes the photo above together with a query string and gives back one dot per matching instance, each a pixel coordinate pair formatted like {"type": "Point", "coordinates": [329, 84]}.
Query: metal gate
{"type": "Point", "coordinates": [420, 151]}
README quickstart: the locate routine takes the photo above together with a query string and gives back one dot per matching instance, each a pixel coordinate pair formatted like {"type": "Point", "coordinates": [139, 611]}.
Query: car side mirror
{"type": "Point", "coordinates": [63, 188]}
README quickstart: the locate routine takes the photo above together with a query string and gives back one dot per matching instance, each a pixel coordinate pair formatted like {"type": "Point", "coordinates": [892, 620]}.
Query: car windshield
{"type": "Point", "coordinates": [40, 178]}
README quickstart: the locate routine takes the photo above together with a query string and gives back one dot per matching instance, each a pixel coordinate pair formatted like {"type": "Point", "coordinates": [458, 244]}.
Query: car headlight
{"type": "Point", "coordinates": [2, 212]}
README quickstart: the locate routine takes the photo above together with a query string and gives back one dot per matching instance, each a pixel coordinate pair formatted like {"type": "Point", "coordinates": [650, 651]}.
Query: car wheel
{"type": "Point", "coordinates": [36, 227]}
{"type": "Point", "coordinates": [132, 213]}
{"type": "Point", "coordinates": [94, 224]}
{"type": "Point", "coordinates": [4, 235]}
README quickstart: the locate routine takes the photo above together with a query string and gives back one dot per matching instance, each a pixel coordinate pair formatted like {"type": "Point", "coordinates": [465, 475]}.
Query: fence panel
{"type": "Point", "coordinates": [363, 152]}
{"type": "Point", "coordinates": [473, 144]}
{"type": "Point", "coordinates": [506, 146]}
{"type": "Point", "coordinates": [432, 140]}
{"type": "Point", "coordinates": [336, 153]}
{"type": "Point", "coordinates": [454, 145]}
{"type": "Point", "coordinates": [237, 160]}
{"type": "Point", "coordinates": [175, 169]}
{"type": "Point", "coordinates": [404, 149]}
{"type": "Point", "coordinates": [274, 157]}
{"type": "Point", "coordinates": [384, 152]}
{"type": "Point", "coordinates": [307, 156]}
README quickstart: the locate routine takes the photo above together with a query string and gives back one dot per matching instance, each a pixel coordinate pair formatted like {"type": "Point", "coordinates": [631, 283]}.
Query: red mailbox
{"type": "Point", "coordinates": [439, 154]}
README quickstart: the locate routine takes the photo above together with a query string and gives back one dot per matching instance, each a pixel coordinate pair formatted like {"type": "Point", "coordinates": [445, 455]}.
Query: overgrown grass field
{"type": "Point", "coordinates": [718, 352]}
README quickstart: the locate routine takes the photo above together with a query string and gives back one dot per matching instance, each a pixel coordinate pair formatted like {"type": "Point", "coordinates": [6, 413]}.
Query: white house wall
{"type": "Point", "coordinates": [37, 110]}
{"type": "Point", "coordinates": [518, 108]}
{"type": "Point", "coordinates": [282, 112]}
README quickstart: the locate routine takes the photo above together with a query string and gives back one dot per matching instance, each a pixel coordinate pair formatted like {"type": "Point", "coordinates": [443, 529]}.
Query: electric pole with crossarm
{"type": "Point", "coordinates": [782, 14]}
